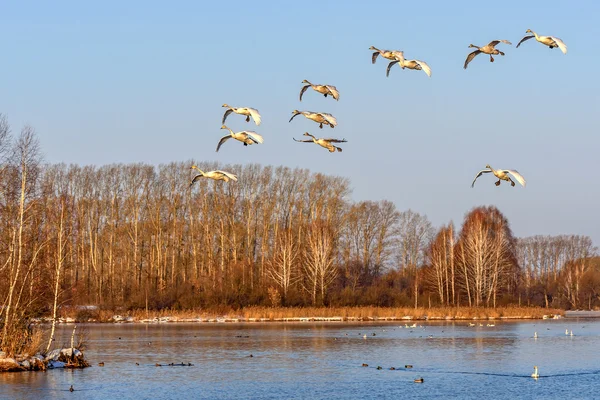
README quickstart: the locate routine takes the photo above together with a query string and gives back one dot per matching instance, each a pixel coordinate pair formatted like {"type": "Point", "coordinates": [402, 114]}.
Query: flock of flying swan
{"type": "Point", "coordinates": [322, 118]}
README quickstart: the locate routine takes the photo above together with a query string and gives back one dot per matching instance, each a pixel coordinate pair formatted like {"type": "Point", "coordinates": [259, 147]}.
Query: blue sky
{"type": "Point", "coordinates": [137, 81]}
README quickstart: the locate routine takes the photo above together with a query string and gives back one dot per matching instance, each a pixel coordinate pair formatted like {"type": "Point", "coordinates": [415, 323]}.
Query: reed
{"type": "Point", "coordinates": [367, 313]}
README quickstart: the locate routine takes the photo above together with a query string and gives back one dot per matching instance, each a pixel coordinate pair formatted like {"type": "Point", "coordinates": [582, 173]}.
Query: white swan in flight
{"type": "Point", "coordinates": [389, 54]}
{"type": "Point", "coordinates": [247, 111]}
{"type": "Point", "coordinates": [550, 41]}
{"type": "Point", "coordinates": [326, 143]}
{"type": "Point", "coordinates": [246, 137]}
{"type": "Point", "coordinates": [217, 175]}
{"type": "Point", "coordinates": [320, 118]}
{"type": "Point", "coordinates": [490, 49]}
{"type": "Point", "coordinates": [502, 175]}
{"type": "Point", "coordinates": [323, 89]}
{"type": "Point", "coordinates": [410, 64]}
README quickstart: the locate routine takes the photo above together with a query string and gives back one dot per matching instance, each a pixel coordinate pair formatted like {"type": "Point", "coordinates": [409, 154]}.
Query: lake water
{"type": "Point", "coordinates": [324, 361]}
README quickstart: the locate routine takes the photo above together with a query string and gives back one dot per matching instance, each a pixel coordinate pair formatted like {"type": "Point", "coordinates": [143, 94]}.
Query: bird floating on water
{"type": "Point", "coordinates": [550, 41]}
{"type": "Point", "coordinates": [326, 143]}
{"type": "Point", "coordinates": [216, 175]}
{"type": "Point", "coordinates": [71, 389]}
{"type": "Point", "coordinates": [419, 380]}
{"type": "Point", "coordinates": [410, 64]}
{"type": "Point", "coordinates": [489, 49]}
{"type": "Point", "coordinates": [246, 137]}
{"type": "Point", "coordinates": [535, 374]}
{"type": "Point", "coordinates": [247, 111]}
{"type": "Point", "coordinates": [502, 175]}
{"type": "Point", "coordinates": [318, 117]}
{"type": "Point", "coordinates": [535, 336]}
{"type": "Point", "coordinates": [326, 90]}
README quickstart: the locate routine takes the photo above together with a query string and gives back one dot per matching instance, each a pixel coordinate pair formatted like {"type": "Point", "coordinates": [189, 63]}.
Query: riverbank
{"type": "Point", "coordinates": [304, 314]}
{"type": "Point", "coordinates": [59, 358]}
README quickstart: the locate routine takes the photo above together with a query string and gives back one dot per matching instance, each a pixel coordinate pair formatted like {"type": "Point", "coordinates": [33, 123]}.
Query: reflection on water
{"type": "Point", "coordinates": [324, 360]}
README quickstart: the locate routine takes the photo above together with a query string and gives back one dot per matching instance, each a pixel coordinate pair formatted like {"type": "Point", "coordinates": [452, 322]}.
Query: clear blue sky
{"type": "Point", "coordinates": [133, 81]}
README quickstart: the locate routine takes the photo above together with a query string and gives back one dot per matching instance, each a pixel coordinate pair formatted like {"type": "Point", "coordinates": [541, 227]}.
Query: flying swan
{"type": "Point", "coordinates": [217, 175]}
{"type": "Point", "coordinates": [490, 49]}
{"type": "Point", "coordinates": [320, 118]}
{"type": "Point", "coordinates": [502, 175]}
{"type": "Point", "coordinates": [246, 137]}
{"type": "Point", "coordinates": [323, 89]}
{"type": "Point", "coordinates": [326, 143]}
{"type": "Point", "coordinates": [410, 64]}
{"type": "Point", "coordinates": [247, 111]}
{"type": "Point", "coordinates": [550, 41]}
{"type": "Point", "coordinates": [389, 54]}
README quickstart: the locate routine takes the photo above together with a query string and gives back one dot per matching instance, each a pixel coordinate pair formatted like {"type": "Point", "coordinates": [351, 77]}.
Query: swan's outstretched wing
{"type": "Point", "coordinates": [390, 65]}
{"type": "Point", "coordinates": [561, 45]}
{"type": "Point", "coordinates": [329, 118]}
{"type": "Point", "coordinates": [227, 174]}
{"type": "Point", "coordinates": [196, 178]}
{"type": "Point", "coordinates": [374, 58]}
{"type": "Point", "coordinates": [303, 141]}
{"type": "Point", "coordinates": [424, 67]}
{"type": "Point", "coordinates": [471, 57]}
{"type": "Point", "coordinates": [483, 171]}
{"type": "Point", "coordinates": [255, 137]}
{"type": "Point", "coordinates": [302, 92]}
{"type": "Point", "coordinates": [334, 92]}
{"type": "Point", "coordinates": [294, 116]}
{"type": "Point", "coordinates": [229, 111]}
{"type": "Point", "coordinates": [335, 140]}
{"type": "Point", "coordinates": [517, 176]}
{"type": "Point", "coordinates": [255, 115]}
{"type": "Point", "coordinates": [495, 42]}
{"type": "Point", "coordinates": [223, 140]}
{"type": "Point", "coordinates": [524, 39]}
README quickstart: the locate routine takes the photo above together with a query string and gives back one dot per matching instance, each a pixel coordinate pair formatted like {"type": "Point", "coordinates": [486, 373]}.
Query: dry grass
{"type": "Point", "coordinates": [344, 313]}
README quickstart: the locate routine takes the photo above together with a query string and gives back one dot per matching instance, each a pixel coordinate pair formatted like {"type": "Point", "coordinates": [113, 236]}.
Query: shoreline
{"type": "Point", "coordinates": [316, 314]}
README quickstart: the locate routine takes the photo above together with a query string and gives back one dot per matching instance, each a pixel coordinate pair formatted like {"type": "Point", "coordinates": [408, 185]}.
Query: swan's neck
{"type": "Point", "coordinates": [536, 35]}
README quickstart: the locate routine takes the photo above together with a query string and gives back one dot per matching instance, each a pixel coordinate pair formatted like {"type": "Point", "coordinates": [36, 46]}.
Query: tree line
{"type": "Point", "coordinates": [138, 235]}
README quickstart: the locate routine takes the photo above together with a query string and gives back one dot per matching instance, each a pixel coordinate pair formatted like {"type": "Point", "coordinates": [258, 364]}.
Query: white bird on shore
{"type": "Point", "coordinates": [550, 41]}
{"type": "Point", "coordinates": [489, 49]}
{"type": "Point", "coordinates": [323, 89]}
{"type": "Point", "coordinates": [320, 118]}
{"type": "Point", "coordinates": [410, 64]}
{"type": "Point", "coordinates": [326, 143]}
{"type": "Point", "coordinates": [246, 137]}
{"type": "Point", "coordinates": [535, 374]}
{"type": "Point", "coordinates": [216, 175]}
{"type": "Point", "coordinates": [247, 111]}
{"type": "Point", "coordinates": [502, 175]}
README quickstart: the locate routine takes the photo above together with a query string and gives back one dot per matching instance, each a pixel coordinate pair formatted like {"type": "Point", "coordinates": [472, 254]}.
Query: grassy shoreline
{"type": "Point", "coordinates": [291, 314]}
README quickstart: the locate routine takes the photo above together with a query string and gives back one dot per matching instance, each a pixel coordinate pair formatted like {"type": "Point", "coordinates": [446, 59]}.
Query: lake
{"type": "Point", "coordinates": [324, 361]}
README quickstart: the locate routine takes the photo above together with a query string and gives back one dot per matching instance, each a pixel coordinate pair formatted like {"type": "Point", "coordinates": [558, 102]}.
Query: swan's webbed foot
{"type": "Point", "coordinates": [321, 126]}
{"type": "Point", "coordinates": [512, 183]}
{"type": "Point", "coordinates": [491, 59]}
{"type": "Point", "coordinates": [245, 144]}
{"type": "Point", "coordinates": [331, 126]}
{"type": "Point", "coordinates": [498, 183]}
{"type": "Point", "coordinates": [325, 95]}
{"type": "Point", "coordinates": [248, 118]}
{"type": "Point", "coordinates": [501, 53]}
